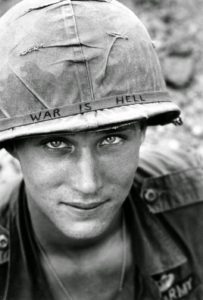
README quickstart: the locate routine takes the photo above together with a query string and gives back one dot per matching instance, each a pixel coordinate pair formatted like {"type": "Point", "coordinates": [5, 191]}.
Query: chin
{"type": "Point", "coordinates": [85, 231]}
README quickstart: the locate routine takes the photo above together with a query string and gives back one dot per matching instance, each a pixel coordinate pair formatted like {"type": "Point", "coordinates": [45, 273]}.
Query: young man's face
{"type": "Point", "coordinates": [78, 182]}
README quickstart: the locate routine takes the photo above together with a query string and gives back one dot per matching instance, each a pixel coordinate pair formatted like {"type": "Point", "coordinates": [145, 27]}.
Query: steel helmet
{"type": "Point", "coordinates": [76, 65]}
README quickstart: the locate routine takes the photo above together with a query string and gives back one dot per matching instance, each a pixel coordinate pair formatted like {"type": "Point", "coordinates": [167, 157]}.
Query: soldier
{"type": "Point", "coordinates": [79, 83]}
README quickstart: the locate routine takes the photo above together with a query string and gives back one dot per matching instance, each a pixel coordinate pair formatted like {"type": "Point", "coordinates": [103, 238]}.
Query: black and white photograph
{"type": "Point", "coordinates": [101, 150]}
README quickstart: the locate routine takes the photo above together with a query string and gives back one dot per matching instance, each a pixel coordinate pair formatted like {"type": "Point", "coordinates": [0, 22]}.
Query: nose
{"type": "Point", "coordinates": [89, 177]}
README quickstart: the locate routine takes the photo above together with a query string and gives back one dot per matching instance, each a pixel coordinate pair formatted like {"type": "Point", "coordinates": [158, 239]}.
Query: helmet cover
{"type": "Point", "coordinates": [77, 65]}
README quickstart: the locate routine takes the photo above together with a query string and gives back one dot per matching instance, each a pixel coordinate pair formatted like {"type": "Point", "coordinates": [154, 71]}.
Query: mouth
{"type": "Point", "coordinates": [84, 205]}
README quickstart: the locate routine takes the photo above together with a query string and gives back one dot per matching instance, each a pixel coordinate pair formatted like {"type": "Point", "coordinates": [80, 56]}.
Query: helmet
{"type": "Point", "coordinates": [77, 65]}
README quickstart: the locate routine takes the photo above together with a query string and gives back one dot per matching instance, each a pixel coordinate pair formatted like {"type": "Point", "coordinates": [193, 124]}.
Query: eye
{"type": "Point", "coordinates": [58, 144]}
{"type": "Point", "coordinates": [111, 140]}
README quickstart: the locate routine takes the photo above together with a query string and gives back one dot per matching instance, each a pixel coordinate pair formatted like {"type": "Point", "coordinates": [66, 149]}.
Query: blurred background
{"type": "Point", "coordinates": [176, 27]}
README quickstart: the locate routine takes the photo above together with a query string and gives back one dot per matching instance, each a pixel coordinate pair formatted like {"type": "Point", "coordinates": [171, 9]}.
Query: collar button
{"type": "Point", "coordinates": [150, 195]}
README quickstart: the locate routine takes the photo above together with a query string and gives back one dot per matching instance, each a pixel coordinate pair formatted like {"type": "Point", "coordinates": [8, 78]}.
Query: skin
{"type": "Point", "coordinates": [76, 185]}
{"type": "Point", "coordinates": [78, 182]}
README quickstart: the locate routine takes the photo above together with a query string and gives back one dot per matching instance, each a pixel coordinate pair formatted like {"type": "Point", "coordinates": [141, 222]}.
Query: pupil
{"type": "Point", "coordinates": [111, 139]}
{"type": "Point", "coordinates": [56, 143]}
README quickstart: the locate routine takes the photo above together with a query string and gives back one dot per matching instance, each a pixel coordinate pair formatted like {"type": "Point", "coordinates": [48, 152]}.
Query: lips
{"type": "Point", "coordinates": [84, 205]}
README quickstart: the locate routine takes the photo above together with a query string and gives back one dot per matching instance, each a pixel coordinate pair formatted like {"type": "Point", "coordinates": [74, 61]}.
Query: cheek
{"type": "Point", "coordinates": [121, 172]}
{"type": "Point", "coordinates": [39, 178]}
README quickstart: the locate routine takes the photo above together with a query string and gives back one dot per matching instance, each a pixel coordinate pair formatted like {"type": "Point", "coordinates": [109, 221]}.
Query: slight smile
{"type": "Point", "coordinates": [83, 205]}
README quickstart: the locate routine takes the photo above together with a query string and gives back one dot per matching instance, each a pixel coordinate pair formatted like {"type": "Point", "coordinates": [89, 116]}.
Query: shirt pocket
{"type": "Point", "coordinates": [173, 191]}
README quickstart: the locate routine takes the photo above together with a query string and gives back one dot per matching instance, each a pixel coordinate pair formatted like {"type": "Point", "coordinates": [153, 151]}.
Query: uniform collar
{"type": "Point", "coordinates": [24, 269]}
